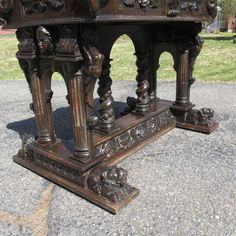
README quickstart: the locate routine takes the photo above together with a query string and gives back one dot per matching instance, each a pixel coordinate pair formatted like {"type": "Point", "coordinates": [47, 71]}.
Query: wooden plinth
{"type": "Point", "coordinates": [205, 129]}
{"type": "Point", "coordinates": [76, 188]}
{"type": "Point", "coordinates": [135, 131]}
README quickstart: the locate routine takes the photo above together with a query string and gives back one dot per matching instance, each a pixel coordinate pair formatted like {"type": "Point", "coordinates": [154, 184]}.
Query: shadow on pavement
{"type": "Point", "coordinates": [61, 119]}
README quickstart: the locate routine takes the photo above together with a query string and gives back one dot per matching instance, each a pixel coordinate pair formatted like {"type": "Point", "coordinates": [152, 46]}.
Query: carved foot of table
{"type": "Point", "coordinates": [196, 120]}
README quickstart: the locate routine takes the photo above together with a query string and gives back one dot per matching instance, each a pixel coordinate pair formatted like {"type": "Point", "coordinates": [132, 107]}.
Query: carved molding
{"type": "Point", "coordinates": [26, 44]}
{"type": "Point", "coordinates": [39, 6]}
{"type": "Point", "coordinates": [68, 46]}
{"type": "Point", "coordinates": [176, 6]}
{"type": "Point", "coordinates": [40, 160]}
{"type": "Point", "coordinates": [194, 51]}
{"type": "Point", "coordinates": [137, 134]}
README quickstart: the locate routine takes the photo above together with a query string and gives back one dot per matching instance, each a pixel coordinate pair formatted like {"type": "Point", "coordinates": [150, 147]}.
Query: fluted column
{"type": "Point", "coordinates": [183, 74]}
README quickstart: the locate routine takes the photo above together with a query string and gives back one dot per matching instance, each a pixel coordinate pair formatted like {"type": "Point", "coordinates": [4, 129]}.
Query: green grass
{"type": "Point", "coordinates": [217, 61]}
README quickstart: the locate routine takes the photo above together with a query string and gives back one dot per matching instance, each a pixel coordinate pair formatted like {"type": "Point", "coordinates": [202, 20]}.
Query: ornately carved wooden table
{"type": "Point", "coordinates": [75, 38]}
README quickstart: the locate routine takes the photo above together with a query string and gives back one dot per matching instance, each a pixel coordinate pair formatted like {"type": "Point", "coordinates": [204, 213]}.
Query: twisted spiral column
{"type": "Point", "coordinates": [107, 114]}
{"type": "Point", "coordinates": [143, 100]}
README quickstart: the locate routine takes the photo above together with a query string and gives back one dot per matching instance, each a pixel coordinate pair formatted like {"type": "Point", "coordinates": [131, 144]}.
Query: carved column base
{"type": "Point", "coordinates": [196, 120]}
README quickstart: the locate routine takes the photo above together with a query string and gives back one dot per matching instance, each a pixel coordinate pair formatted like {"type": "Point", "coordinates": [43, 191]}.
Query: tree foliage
{"type": "Point", "coordinates": [228, 7]}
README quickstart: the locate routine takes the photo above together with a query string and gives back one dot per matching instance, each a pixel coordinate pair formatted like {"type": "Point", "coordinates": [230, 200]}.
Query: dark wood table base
{"type": "Point", "coordinates": [100, 181]}
{"type": "Point", "coordinates": [75, 39]}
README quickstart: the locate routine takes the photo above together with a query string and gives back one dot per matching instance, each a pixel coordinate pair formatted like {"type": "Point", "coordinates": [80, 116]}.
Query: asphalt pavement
{"type": "Point", "coordinates": [187, 180]}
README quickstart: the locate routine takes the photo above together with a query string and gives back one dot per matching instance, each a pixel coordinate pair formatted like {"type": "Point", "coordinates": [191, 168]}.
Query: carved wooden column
{"type": "Point", "coordinates": [29, 62]}
{"type": "Point", "coordinates": [69, 61]}
{"type": "Point", "coordinates": [47, 67]}
{"type": "Point", "coordinates": [183, 75]}
{"type": "Point", "coordinates": [107, 114]}
{"type": "Point", "coordinates": [83, 139]}
{"type": "Point", "coordinates": [143, 101]}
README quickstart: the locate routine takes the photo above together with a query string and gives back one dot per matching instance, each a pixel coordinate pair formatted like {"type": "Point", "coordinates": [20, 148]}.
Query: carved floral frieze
{"type": "Point", "coordinates": [141, 3]}
{"type": "Point", "coordinates": [39, 6]}
{"type": "Point", "coordinates": [133, 136]}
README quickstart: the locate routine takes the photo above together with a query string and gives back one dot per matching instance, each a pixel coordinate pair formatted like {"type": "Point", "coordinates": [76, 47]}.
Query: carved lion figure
{"type": "Point", "coordinates": [109, 182]}
{"type": "Point", "coordinates": [200, 117]}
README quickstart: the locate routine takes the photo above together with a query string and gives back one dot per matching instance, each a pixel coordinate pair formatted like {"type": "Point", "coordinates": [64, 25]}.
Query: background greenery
{"type": "Point", "coordinates": [217, 62]}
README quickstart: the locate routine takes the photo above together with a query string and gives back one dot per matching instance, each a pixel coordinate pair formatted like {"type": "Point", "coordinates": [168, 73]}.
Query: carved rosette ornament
{"type": "Point", "coordinates": [212, 7]}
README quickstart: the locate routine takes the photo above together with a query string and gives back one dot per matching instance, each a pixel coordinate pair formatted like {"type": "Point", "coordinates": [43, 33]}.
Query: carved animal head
{"type": "Point", "coordinates": [114, 177]}
{"type": "Point", "coordinates": [207, 113]}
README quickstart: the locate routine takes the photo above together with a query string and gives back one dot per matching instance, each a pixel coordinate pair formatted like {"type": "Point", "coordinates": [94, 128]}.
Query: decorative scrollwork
{"type": "Point", "coordinates": [68, 46]}
{"type": "Point", "coordinates": [39, 6]}
{"type": "Point", "coordinates": [92, 70]}
{"type": "Point", "coordinates": [26, 44]}
{"type": "Point", "coordinates": [142, 3]}
{"type": "Point", "coordinates": [173, 7]}
{"type": "Point", "coordinates": [194, 51]}
{"type": "Point", "coordinates": [135, 135]}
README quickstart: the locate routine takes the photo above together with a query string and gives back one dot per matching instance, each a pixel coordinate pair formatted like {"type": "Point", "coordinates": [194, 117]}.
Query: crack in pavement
{"type": "Point", "coordinates": [38, 219]}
